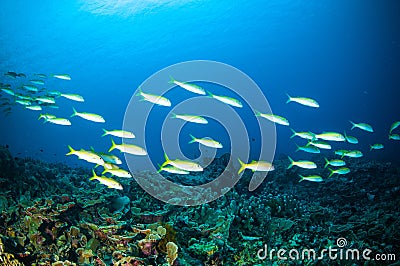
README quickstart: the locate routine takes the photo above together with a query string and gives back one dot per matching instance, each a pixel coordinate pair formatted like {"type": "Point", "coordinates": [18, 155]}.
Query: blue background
{"type": "Point", "coordinates": [344, 54]}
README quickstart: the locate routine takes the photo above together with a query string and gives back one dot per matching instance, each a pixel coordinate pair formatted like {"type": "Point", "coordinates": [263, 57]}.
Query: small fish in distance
{"type": "Point", "coordinates": [334, 162]}
{"type": "Point", "coordinates": [363, 126]}
{"type": "Point", "coordinates": [302, 164]}
{"type": "Point", "coordinates": [155, 99]}
{"type": "Point", "coordinates": [206, 142]}
{"type": "Point", "coordinates": [340, 171]}
{"type": "Point", "coordinates": [303, 101]}
{"type": "Point", "coordinates": [262, 166]}
{"type": "Point", "coordinates": [61, 76]}
{"type": "Point", "coordinates": [312, 178]}
{"type": "Point", "coordinates": [394, 126]}
{"type": "Point", "coordinates": [107, 181]}
{"type": "Point", "coordinates": [188, 86]}
{"type": "Point", "coordinates": [191, 118]}
{"type": "Point", "coordinates": [88, 116]}
{"type": "Point", "coordinates": [182, 164]}
{"type": "Point", "coordinates": [127, 148]}
{"type": "Point", "coordinates": [274, 118]}
{"type": "Point", "coordinates": [376, 146]}
{"type": "Point", "coordinates": [225, 99]}
{"type": "Point", "coordinates": [119, 133]}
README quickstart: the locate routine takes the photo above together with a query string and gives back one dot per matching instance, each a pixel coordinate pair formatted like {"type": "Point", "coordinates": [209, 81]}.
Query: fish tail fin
{"type": "Point", "coordinates": [173, 115]}
{"type": "Point", "coordinates": [113, 145]}
{"type": "Point", "coordinates": [354, 124]}
{"type": "Point", "coordinates": [242, 166]}
{"type": "Point", "coordinates": [75, 112]}
{"type": "Point", "coordinates": [294, 133]}
{"type": "Point", "coordinates": [298, 148]}
{"type": "Point", "coordinates": [291, 163]}
{"type": "Point", "coordinates": [257, 113]}
{"type": "Point", "coordinates": [171, 80]}
{"type": "Point", "coordinates": [44, 117]}
{"type": "Point", "coordinates": [139, 91]}
{"type": "Point", "coordinates": [210, 94]}
{"type": "Point", "coordinates": [370, 147]}
{"type": "Point", "coordinates": [71, 150]}
{"type": "Point", "coordinates": [159, 168]}
{"type": "Point", "coordinates": [327, 162]}
{"type": "Point", "coordinates": [301, 178]}
{"type": "Point", "coordinates": [94, 175]}
{"type": "Point", "coordinates": [314, 136]}
{"type": "Point", "coordinates": [332, 172]}
{"type": "Point", "coordinates": [105, 132]}
{"type": "Point", "coordinates": [166, 160]}
{"type": "Point", "coordinates": [289, 98]}
{"type": "Point", "coordinates": [193, 139]}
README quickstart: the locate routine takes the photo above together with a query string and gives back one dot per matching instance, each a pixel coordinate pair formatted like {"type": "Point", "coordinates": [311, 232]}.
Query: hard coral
{"type": "Point", "coordinates": [63, 263]}
{"type": "Point", "coordinates": [129, 261]}
{"type": "Point", "coordinates": [147, 247]}
{"type": "Point", "coordinates": [172, 252]}
{"type": "Point", "coordinates": [7, 259]}
{"type": "Point", "coordinates": [169, 235]}
{"type": "Point", "coordinates": [85, 255]}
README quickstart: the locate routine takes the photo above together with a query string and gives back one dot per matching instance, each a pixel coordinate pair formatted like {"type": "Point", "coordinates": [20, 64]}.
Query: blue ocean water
{"type": "Point", "coordinates": [344, 54]}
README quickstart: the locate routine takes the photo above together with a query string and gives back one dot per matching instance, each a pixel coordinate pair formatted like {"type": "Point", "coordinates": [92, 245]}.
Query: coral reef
{"type": "Point", "coordinates": [7, 259]}
{"type": "Point", "coordinates": [50, 214]}
{"type": "Point", "coordinates": [172, 252]}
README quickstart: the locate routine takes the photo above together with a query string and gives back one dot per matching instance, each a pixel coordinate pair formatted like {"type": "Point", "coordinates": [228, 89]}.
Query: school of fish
{"type": "Point", "coordinates": [32, 96]}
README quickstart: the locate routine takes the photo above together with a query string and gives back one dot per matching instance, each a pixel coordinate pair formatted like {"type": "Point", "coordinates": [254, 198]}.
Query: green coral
{"type": "Point", "coordinates": [203, 248]}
